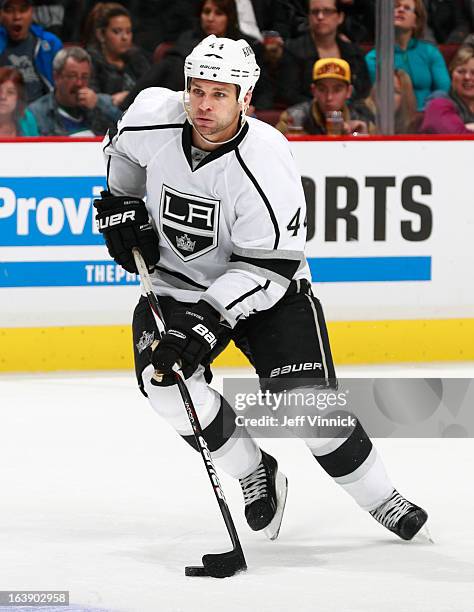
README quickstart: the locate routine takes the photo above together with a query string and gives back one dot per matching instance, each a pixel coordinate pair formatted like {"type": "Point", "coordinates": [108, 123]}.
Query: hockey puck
{"type": "Point", "coordinates": [195, 570]}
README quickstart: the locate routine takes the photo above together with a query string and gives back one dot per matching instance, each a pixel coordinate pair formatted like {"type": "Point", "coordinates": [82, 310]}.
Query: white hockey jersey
{"type": "Point", "coordinates": [232, 229]}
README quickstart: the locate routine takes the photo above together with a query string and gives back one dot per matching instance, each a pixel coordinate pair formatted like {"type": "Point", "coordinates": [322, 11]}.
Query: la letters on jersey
{"type": "Point", "coordinates": [189, 223]}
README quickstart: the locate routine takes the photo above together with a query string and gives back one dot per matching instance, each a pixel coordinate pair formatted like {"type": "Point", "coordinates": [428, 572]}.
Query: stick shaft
{"type": "Point", "coordinates": [189, 406]}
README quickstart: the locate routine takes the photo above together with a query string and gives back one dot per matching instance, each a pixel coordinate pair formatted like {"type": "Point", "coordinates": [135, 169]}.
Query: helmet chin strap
{"type": "Point", "coordinates": [243, 118]}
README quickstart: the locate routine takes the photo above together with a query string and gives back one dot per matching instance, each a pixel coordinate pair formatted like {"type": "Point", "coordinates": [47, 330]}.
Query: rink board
{"type": "Point", "coordinates": [389, 226]}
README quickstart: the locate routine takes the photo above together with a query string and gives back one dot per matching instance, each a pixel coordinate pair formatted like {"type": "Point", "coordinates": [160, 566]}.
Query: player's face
{"type": "Point", "coordinates": [331, 94]}
{"type": "Point", "coordinates": [17, 16]}
{"type": "Point", "coordinates": [117, 36]}
{"type": "Point", "coordinates": [214, 109]}
{"type": "Point", "coordinates": [8, 98]}
{"type": "Point", "coordinates": [324, 18]}
{"type": "Point", "coordinates": [463, 80]}
{"type": "Point", "coordinates": [213, 19]}
{"type": "Point", "coordinates": [73, 77]}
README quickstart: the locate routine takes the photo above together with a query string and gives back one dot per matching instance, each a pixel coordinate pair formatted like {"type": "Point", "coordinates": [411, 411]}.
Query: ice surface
{"type": "Point", "coordinates": [101, 498]}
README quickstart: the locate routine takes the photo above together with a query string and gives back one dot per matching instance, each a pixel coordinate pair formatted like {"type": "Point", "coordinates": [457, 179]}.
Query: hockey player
{"type": "Point", "coordinates": [223, 232]}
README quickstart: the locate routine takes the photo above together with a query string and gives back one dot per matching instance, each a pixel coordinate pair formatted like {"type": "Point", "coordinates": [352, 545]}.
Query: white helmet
{"type": "Point", "coordinates": [224, 60]}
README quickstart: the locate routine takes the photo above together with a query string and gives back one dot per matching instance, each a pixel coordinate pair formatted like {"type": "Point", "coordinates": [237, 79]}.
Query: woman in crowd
{"type": "Point", "coordinates": [217, 17]}
{"type": "Point", "coordinates": [422, 61]}
{"type": "Point", "coordinates": [117, 65]}
{"type": "Point", "coordinates": [454, 113]}
{"type": "Point", "coordinates": [322, 40]}
{"type": "Point", "coordinates": [15, 119]}
{"type": "Point", "coordinates": [406, 117]}
{"type": "Point", "coordinates": [154, 21]}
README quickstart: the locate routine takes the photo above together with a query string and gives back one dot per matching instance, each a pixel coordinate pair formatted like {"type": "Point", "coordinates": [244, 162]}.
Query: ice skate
{"type": "Point", "coordinates": [400, 516]}
{"type": "Point", "coordinates": [265, 492]}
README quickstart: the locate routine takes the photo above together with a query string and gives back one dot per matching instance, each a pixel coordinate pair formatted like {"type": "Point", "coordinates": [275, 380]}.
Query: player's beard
{"type": "Point", "coordinates": [222, 129]}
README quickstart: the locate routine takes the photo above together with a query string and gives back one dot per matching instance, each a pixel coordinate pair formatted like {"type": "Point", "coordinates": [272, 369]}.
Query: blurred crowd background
{"type": "Point", "coordinates": [72, 67]}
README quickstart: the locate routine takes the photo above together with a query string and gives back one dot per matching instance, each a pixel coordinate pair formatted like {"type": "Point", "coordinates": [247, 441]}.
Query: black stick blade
{"type": "Point", "coordinates": [224, 565]}
{"type": "Point", "coordinates": [219, 565]}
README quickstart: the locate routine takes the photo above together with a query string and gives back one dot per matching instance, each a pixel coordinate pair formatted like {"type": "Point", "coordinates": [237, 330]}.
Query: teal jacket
{"type": "Point", "coordinates": [27, 125]}
{"type": "Point", "coordinates": [424, 64]}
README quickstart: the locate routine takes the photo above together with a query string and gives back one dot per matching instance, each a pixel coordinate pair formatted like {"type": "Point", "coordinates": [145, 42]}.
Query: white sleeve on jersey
{"type": "Point", "coordinates": [266, 254]}
{"type": "Point", "coordinates": [126, 165]}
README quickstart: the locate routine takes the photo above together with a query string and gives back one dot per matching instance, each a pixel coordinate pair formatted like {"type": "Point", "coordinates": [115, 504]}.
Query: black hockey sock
{"type": "Point", "coordinates": [350, 455]}
{"type": "Point", "coordinates": [219, 430]}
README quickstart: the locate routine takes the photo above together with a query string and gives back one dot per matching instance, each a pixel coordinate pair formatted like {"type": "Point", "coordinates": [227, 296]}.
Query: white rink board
{"type": "Point", "coordinates": [46, 215]}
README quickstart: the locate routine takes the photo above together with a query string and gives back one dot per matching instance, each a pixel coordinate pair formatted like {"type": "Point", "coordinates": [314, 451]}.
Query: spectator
{"type": "Point", "coordinates": [15, 119]}
{"type": "Point", "coordinates": [27, 47]}
{"type": "Point", "coordinates": [321, 41]}
{"type": "Point", "coordinates": [278, 85]}
{"type": "Point", "coordinates": [332, 90]}
{"type": "Point", "coordinates": [421, 60]}
{"type": "Point", "coordinates": [454, 113]}
{"type": "Point", "coordinates": [89, 29]}
{"type": "Point", "coordinates": [406, 117]}
{"type": "Point", "coordinates": [117, 65]}
{"type": "Point", "coordinates": [155, 21]}
{"type": "Point", "coordinates": [217, 17]}
{"type": "Point", "coordinates": [73, 109]}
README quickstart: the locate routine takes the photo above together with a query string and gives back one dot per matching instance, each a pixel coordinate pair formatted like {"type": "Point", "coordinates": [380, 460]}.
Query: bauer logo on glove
{"type": "Point", "coordinates": [117, 219]}
{"type": "Point", "coordinates": [125, 224]}
{"type": "Point", "coordinates": [187, 342]}
{"type": "Point", "coordinates": [206, 334]}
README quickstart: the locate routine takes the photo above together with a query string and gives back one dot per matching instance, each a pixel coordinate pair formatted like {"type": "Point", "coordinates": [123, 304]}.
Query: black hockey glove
{"type": "Point", "coordinates": [191, 335]}
{"type": "Point", "coordinates": [125, 224]}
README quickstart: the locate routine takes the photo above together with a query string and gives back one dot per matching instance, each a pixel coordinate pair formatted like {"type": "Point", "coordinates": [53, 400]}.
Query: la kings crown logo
{"type": "Point", "coordinates": [189, 223]}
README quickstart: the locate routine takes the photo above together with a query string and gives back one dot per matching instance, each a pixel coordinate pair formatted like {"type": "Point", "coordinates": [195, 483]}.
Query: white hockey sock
{"type": "Point", "coordinates": [239, 456]}
{"type": "Point", "coordinates": [369, 484]}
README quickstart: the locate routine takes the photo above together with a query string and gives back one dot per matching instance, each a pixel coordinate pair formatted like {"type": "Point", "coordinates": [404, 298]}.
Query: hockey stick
{"type": "Point", "coordinates": [218, 565]}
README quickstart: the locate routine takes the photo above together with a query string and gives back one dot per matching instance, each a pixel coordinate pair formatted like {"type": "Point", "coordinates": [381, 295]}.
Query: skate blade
{"type": "Point", "coordinates": [273, 528]}
{"type": "Point", "coordinates": [424, 535]}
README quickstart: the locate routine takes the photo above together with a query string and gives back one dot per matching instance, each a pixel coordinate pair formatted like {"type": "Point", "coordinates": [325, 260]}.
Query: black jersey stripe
{"type": "Point", "coordinates": [111, 133]}
{"type": "Point", "coordinates": [248, 294]}
{"type": "Point", "coordinates": [108, 172]}
{"type": "Point", "coordinates": [263, 196]}
{"type": "Point", "coordinates": [138, 128]}
{"type": "Point", "coordinates": [284, 267]}
{"type": "Point", "coordinates": [182, 277]}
